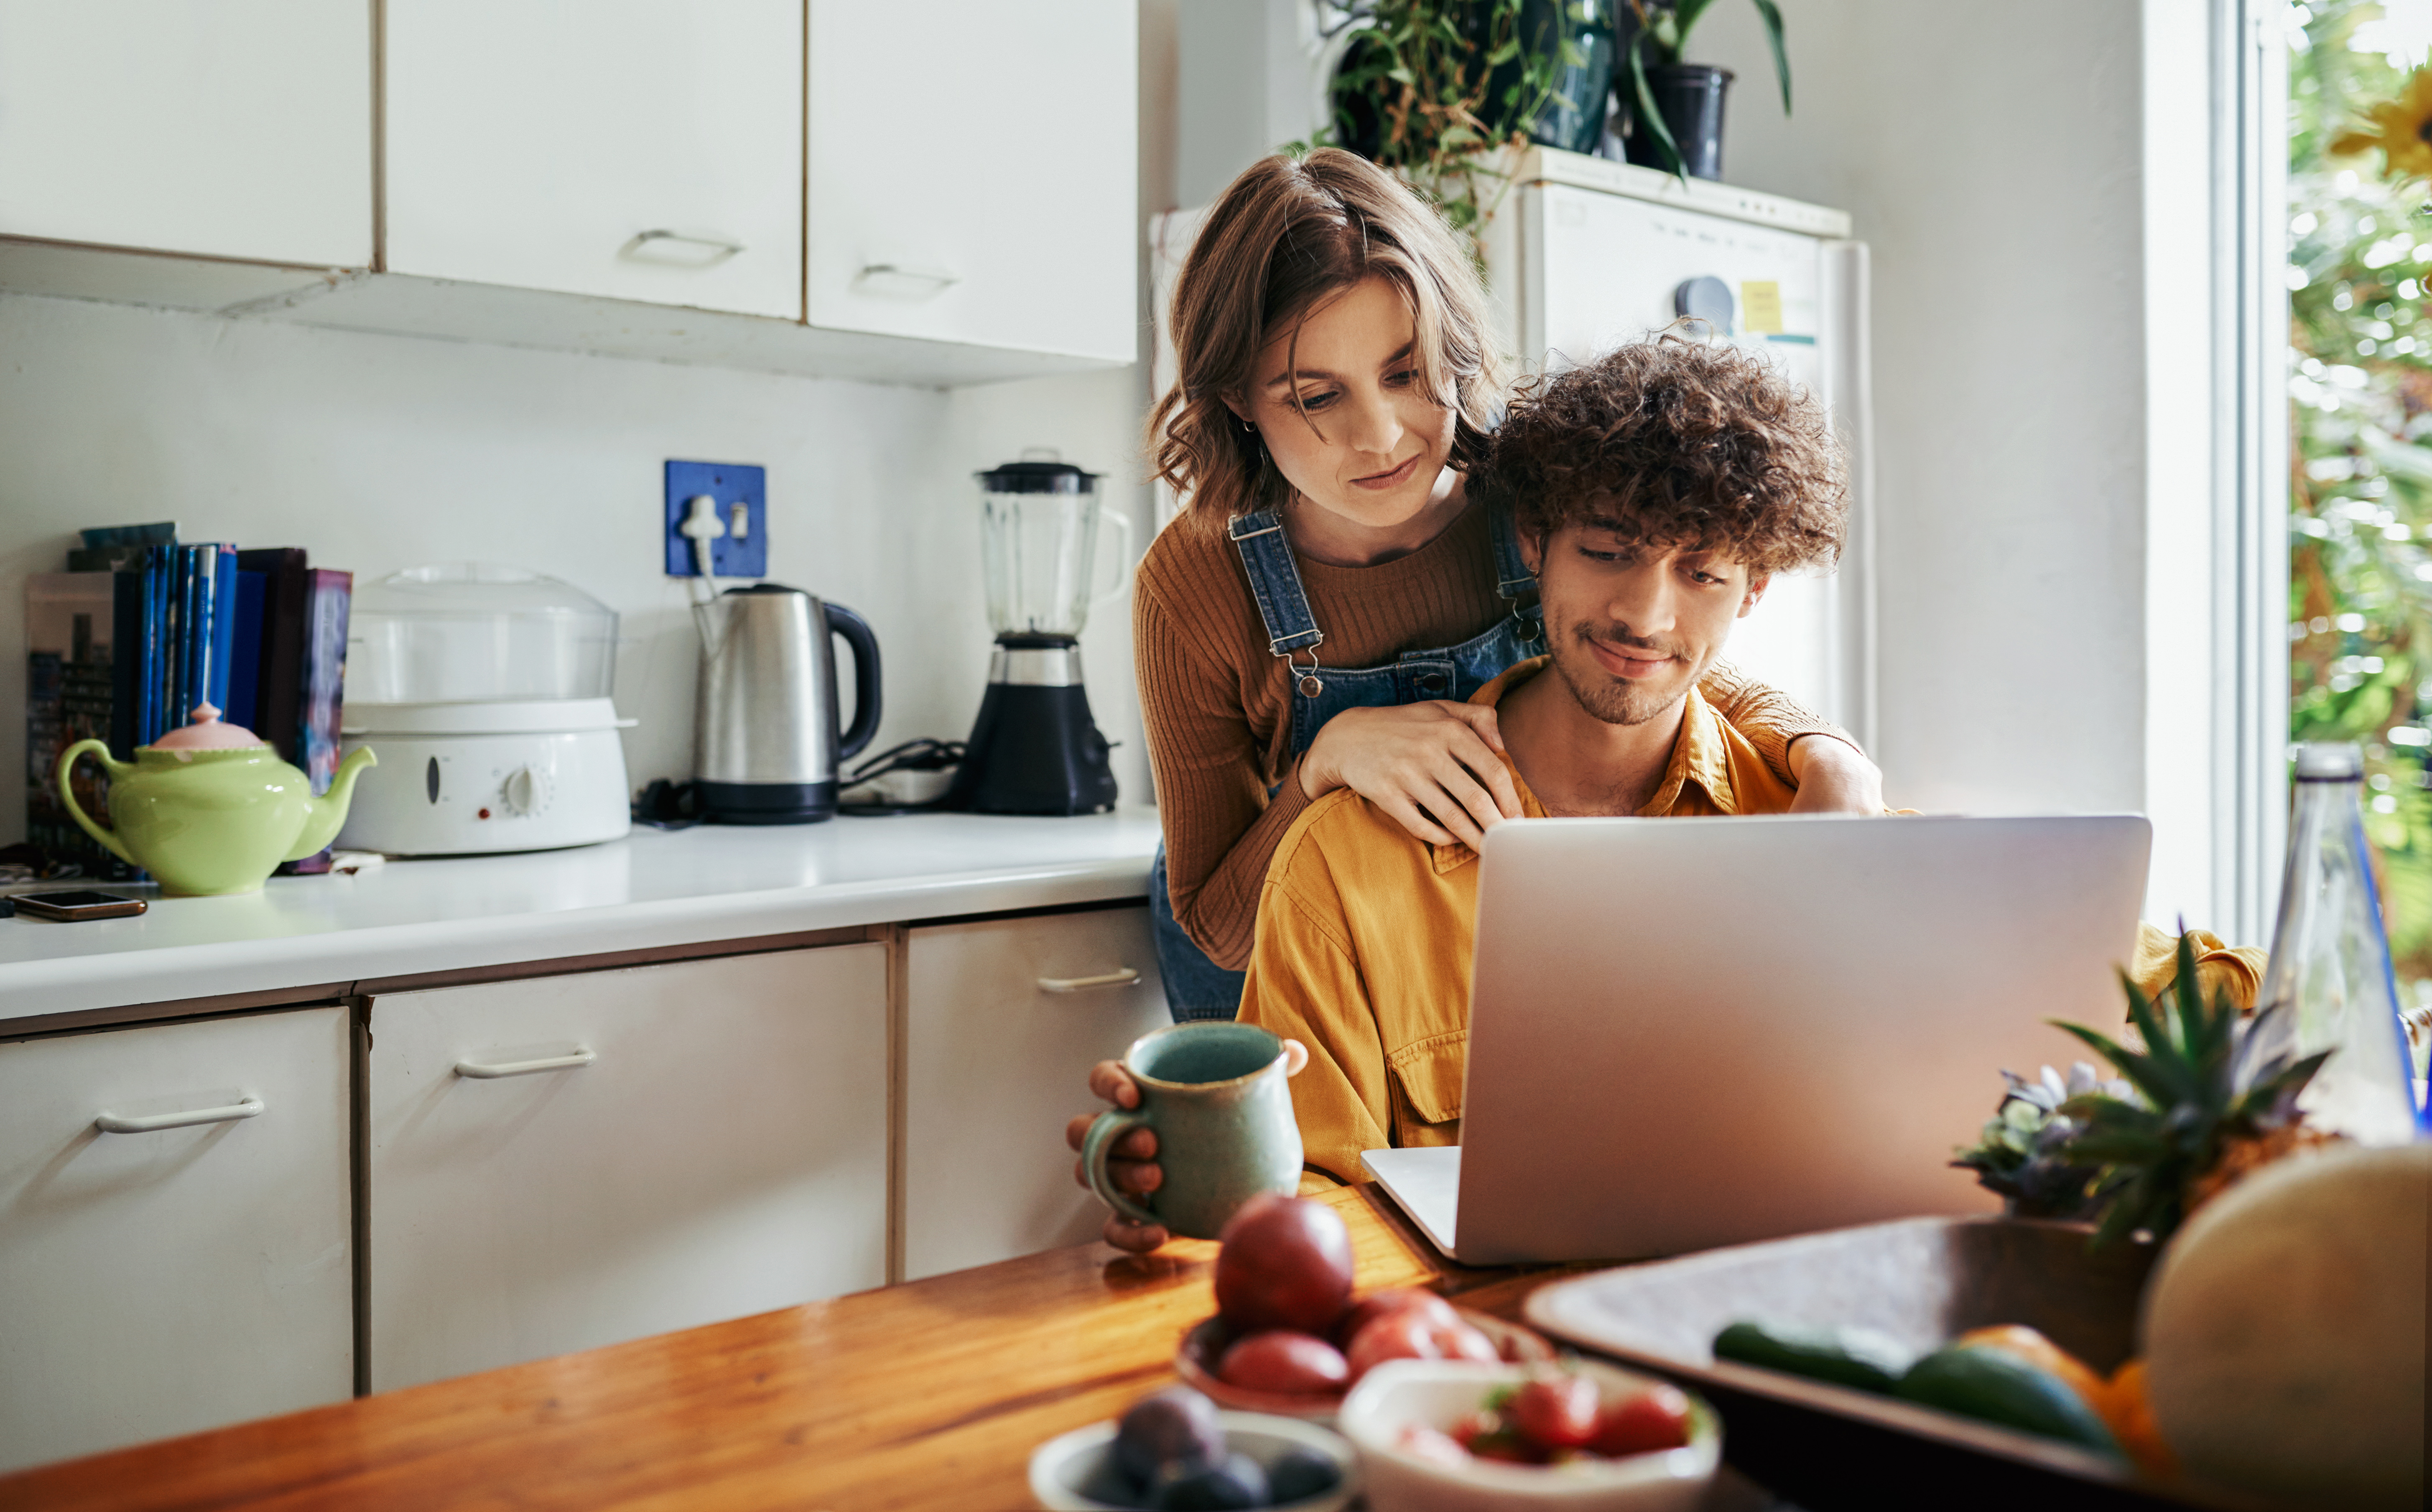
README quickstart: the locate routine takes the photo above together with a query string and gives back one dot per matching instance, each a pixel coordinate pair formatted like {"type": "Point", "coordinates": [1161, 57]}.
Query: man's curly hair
{"type": "Point", "coordinates": [1682, 443]}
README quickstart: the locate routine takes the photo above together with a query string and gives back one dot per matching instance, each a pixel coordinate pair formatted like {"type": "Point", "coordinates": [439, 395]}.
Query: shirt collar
{"type": "Point", "coordinates": [1699, 755]}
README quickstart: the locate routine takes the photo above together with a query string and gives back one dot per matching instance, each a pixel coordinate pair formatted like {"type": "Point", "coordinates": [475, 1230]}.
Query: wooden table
{"type": "Point", "coordinates": [926, 1395]}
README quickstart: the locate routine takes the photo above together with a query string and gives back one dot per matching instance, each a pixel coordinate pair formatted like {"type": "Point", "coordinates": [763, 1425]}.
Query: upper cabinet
{"type": "Point", "coordinates": [635, 149]}
{"type": "Point", "coordinates": [934, 194]}
{"type": "Point", "coordinates": [240, 129]}
{"type": "Point", "coordinates": [972, 170]}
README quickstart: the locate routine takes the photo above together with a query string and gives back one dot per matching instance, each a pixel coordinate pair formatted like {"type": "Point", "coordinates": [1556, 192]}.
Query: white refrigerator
{"type": "Point", "coordinates": [1584, 254]}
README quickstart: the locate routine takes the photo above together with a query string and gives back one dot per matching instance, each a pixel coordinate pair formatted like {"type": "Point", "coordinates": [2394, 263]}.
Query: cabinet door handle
{"type": "Point", "coordinates": [718, 248]}
{"type": "Point", "coordinates": [580, 1055]}
{"type": "Point", "coordinates": [243, 1108]}
{"type": "Point", "coordinates": [896, 278]}
{"type": "Point", "coordinates": [1120, 977]}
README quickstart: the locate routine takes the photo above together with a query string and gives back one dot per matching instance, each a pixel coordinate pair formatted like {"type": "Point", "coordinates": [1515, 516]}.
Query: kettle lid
{"type": "Point", "coordinates": [208, 734]}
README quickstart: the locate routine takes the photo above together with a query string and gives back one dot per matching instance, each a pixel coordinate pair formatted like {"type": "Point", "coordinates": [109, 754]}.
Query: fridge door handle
{"type": "Point", "coordinates": [581, 1055]}
{"type": "Point", "coordinates": [245, 1107]}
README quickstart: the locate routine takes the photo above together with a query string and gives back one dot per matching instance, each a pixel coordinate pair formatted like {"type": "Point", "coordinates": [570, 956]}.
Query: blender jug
{"type": "Point", "coordinates": [1035, 748]}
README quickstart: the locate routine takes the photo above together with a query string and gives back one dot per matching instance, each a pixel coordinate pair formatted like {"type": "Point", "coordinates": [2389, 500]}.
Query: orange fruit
{"type": "Point", "coordinates": [2126, 1412]}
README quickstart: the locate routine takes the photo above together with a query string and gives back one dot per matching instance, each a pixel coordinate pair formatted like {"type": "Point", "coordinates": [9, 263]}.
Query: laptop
{"type": "Point", "coordinates": [1692, 1032]}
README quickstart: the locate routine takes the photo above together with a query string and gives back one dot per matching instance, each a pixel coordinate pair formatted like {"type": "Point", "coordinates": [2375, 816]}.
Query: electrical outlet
{"type": "Point", "coordinates": [742, 495]}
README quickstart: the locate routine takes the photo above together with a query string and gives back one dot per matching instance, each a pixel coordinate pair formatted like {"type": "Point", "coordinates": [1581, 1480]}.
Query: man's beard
{"type": "Point", "coordinates": [1610, 698]}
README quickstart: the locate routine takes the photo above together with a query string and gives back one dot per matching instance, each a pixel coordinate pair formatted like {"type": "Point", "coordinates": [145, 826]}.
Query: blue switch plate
{"type": "Point", "coordinates": [730, 484]}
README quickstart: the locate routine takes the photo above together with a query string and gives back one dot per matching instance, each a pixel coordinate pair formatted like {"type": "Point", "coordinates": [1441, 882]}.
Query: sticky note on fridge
{"type": "Point", "coordinates": [1761, 307]}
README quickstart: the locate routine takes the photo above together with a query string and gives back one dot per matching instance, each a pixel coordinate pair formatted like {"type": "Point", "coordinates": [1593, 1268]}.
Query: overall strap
{"type": "Point", "coordinates": [1275, 583]}
{"type": "Point", "coordinates": [1514, 582]}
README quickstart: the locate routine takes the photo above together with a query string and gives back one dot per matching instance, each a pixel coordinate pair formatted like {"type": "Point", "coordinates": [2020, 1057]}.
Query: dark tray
{"type": "Point", "coordinates": [1921, 1281]}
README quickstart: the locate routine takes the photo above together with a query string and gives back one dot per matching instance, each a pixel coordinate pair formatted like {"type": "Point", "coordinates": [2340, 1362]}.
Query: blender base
{"type": "Point", "coordinates": [1035, 750]}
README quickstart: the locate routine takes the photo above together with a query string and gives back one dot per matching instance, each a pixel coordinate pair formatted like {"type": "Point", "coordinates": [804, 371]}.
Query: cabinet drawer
{"type": "Point", "coordinates": [167, 1280]}
{"type": "Point", "coordinates": [567, 1162]}
{"type": "Point", "coordinates": [1004, 1019]}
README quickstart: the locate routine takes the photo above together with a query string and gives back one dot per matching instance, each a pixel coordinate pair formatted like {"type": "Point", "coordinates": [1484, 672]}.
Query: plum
{"type": "Point", "coordinates": [1175, 1427]}
{"type": "Point", "coordinates": [1297, 1474]}
{"type": "Point", "coordinates": [1281, 1361]}
{"type": "Point", "coordinates": [1234, 1481]}
{"type": "Point", "coordinates": [1286, 1263]}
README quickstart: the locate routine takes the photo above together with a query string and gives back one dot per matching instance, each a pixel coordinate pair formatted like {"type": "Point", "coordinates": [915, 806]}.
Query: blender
{"type": "Point", "coordinates": [1034, 748]}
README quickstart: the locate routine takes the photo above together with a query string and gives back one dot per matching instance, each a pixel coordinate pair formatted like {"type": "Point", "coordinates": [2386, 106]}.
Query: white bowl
{"type": "Point", "coordinates": [1059, 1465]}
{"type": "Point", "coordinates": [1439, 1393]}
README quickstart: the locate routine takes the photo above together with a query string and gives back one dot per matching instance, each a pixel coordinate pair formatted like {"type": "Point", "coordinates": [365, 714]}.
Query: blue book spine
{"type": "Point", "coordinates": [156, 576]}
{"type": "Point", "coordinates": [223, 623]}
{"type": "Point", "coordinates": [178, 638]}
{"type": "Point", "coordinates": [199, 629]}
{"type": "Point", "coordinates": [245, 651]}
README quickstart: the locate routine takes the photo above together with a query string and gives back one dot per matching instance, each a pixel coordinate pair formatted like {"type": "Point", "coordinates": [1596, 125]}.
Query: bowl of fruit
{"type": "Point", "coordinates": [1175, 1450]}
{"type": "Point", "coordinates": [1290, 1338]}
{"type": "Point", "coordinates": [1456, 1435]}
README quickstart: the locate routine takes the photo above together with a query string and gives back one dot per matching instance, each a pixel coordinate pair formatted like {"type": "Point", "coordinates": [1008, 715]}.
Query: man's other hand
{"type": "Point", "coordinates": [1834, 778]}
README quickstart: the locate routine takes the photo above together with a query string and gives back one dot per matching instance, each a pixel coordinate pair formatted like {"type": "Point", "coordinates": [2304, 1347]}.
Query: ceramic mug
{"type": "Point", "coordinates": [1215, 1092]}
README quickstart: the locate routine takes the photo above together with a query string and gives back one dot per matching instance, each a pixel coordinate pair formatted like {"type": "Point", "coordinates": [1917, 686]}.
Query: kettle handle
{"type": "Point", "coordinates": [857, 634]}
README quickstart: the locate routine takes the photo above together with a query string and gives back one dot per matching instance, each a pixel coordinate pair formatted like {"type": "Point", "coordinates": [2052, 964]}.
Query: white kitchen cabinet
{"type": "Point", "coordinates": [240, 129]}
{"type": "Point", "coordinates": [167, 1280]}
{"type": "Point", "coordinates": [1002, 1017]}
{"type": "Point", "coordinates": [566, 1162]}
{"type": "Point", "coordinates": [635, 149]}
{"type": "Point", "coordinates": [972, 172]}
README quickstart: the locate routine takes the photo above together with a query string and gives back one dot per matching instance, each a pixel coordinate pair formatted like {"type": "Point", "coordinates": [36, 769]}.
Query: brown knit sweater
{"type": "Point", "coordinates": [1218, 704]}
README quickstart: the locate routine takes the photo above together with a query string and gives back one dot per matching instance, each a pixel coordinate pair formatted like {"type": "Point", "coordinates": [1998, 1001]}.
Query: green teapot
{"type": "Point", "coordinates": [210, 808]}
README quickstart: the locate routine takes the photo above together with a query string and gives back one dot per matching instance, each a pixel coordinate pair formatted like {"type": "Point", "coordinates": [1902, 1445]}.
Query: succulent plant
{"type": "Point", "coordinates": [2021, 1151]}
{"type": "Point", "coordinates": [2213, 1100]}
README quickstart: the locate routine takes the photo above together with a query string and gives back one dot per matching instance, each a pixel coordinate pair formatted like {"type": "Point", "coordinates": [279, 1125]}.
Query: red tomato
{"type": "Point", "coordinates": [1656, 1417]}
{"type": "Point", "coordinates": [1392, 1300]}
{"type": "Point", "coordinates": [1461, 1342]}
{"type": "Point", "coordinates": [1403, 1336]}
{"type": "Point", "coordinates": [1286, 1263]}
{"type": "Point", "coordinates": [1281, 1361]}
{"type": "Point", "coordinates": [1555, 1411]}
{"type": "Point", "coordinates": [1474, 1426]}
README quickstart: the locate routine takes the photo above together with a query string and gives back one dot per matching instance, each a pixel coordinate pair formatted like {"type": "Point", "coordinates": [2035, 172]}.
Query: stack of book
{"type": "Point", "coordinates": [141, 630]}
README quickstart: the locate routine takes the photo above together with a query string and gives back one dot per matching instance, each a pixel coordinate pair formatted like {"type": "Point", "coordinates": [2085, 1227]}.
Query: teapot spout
{"type": "Point", "coordinates": [329, 810]}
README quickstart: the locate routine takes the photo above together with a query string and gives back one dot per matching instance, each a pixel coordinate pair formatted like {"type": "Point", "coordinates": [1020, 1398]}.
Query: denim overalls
{"type": "Point", "coordinates": [1196, 986]}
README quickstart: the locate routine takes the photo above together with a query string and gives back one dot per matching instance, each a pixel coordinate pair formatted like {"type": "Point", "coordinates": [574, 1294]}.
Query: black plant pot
{"type": "Point", "coordinates": [1690, 96]}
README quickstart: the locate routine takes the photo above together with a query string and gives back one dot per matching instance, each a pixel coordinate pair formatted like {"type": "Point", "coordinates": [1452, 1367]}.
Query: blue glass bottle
{"type": "Point", "coordinates": [2330, 962]}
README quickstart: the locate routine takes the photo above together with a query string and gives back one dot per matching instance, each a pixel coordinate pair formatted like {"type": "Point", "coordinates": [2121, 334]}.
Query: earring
{"type": "Point", "coordinates": [1248, 428]}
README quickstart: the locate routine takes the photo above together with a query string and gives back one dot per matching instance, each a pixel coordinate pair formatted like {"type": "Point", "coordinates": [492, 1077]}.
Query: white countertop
{"type": "Point", "coordinates": [651, 890]}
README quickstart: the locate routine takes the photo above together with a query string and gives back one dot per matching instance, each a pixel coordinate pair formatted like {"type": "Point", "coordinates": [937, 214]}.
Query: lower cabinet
{"type": "Point", "coordinates": [566, 1162]}
{"type": "Point", "coordinates": [175, 1230]}
{"type": "Point", "coordinates": [1004, 1018]}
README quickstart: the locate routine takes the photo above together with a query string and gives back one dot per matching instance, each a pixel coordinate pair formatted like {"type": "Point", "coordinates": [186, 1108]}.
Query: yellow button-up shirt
{"type": "Point", "coordinates": [1365, 933]}
{"type": "Point", "coordinates": [1365, 937]}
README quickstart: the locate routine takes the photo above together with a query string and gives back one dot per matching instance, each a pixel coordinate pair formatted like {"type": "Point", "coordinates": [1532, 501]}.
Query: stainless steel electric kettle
{"type": "Point", "coordinates": [765, 744]}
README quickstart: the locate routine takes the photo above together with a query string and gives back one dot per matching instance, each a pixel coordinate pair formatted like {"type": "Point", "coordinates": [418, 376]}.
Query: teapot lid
{"type": "Point", "coordinates": [208, 734]}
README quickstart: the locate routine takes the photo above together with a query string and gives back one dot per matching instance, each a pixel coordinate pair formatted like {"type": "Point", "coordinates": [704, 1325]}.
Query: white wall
{"type": "Point", "coordinates": [380, 452]}
{"type": "Point", "coordinates": [1990, 155]}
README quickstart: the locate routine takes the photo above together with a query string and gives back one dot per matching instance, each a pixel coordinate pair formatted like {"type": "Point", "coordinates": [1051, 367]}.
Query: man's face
{"type": "Point", "coordinates": [1633, 627]}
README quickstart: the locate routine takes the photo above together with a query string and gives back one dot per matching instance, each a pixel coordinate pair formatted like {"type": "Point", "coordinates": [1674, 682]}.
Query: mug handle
{"type": "Point", "coordinates": [117, 769]}
{"type": "Point", "coordinates": [1095, 1149]}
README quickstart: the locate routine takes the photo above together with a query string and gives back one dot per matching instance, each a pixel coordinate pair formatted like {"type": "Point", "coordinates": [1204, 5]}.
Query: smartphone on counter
{"type": "Point", "coordinates": [77, 905]}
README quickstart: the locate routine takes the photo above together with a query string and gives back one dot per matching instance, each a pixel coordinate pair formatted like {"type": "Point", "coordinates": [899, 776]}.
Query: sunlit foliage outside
{"type": "Point", "coordinates": [2360, 404]}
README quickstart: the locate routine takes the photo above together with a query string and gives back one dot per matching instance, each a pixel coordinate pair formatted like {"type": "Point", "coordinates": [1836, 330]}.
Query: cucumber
{"type": "Point", "coordinates": [1859, 1357]}
{"type": "Point", "coordinates": [1998, 1387]}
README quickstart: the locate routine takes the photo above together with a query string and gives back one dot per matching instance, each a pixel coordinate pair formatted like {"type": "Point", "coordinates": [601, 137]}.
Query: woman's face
{"type": "Point", "coordinates": [1345, 415]}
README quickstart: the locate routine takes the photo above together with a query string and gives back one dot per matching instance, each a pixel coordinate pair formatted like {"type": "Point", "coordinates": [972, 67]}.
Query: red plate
{"type": "Point", "coordinates": [1195, 1362]}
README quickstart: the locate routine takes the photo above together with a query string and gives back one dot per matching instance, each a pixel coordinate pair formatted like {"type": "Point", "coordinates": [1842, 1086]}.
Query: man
{"type": "Point", "coordinates": [1656, 491]}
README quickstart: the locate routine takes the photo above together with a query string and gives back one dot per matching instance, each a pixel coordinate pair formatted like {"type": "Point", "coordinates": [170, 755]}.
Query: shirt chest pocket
{"type": "Point", "coordinates": [1427, 1076]}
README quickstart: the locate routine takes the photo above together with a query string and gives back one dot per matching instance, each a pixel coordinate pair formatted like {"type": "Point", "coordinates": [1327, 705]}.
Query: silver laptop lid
{"type": "Point", "coordinates": [1689, 1032]}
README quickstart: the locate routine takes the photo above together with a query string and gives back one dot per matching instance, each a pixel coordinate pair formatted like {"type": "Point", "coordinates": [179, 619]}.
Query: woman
{"type": "Point", "coordinates": [1329, 597]}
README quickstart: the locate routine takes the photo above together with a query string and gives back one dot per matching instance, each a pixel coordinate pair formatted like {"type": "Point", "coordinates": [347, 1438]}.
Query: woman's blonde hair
{"type": "Point", "coordinates": [1286, 235]}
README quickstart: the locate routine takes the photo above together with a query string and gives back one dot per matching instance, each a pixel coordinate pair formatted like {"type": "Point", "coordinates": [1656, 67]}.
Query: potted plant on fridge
{"type": "Point", "coordinates": [1673, 110]}
{"type": "Point", "coordinates": [1436, 89]}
